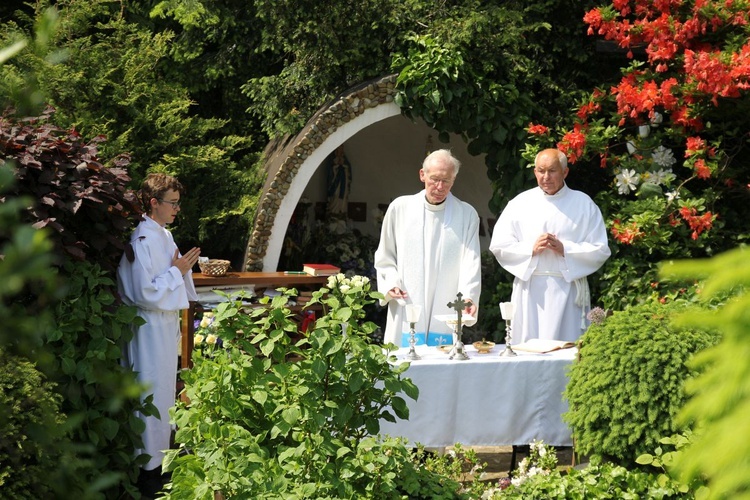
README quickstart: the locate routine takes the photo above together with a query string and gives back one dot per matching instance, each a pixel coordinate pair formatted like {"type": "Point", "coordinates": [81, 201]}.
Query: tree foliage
{"type": "Point", "coordinates": [114, 84]}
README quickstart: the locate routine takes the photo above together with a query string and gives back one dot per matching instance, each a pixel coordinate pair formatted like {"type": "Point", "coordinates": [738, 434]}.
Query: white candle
{"type": "Point", "coordinates": [413, 311]}
{"type": "Point", "coordinates": [507, 310]}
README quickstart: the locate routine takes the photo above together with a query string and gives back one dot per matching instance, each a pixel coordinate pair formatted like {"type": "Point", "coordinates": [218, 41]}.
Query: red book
{"type": "Point", "coordinates": [321, 269]}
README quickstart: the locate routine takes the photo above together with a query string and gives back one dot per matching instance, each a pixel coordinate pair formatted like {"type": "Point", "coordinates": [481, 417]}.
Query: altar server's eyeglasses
{"type": "Point", "coordinates": [175, 204]}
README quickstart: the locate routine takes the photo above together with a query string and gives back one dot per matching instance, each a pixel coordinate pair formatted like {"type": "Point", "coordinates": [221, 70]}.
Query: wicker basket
{"type": "Point", "coordinates": [214, 267]}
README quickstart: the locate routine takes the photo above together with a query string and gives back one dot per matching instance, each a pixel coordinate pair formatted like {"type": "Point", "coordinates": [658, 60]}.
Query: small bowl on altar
{"type": "Point", "coordinates": [484, 346]}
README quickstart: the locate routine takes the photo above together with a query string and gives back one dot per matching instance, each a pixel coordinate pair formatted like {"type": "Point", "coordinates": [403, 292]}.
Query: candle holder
{"type": "Point", "coordinates": [508, 352]}
{"type": "Point", "coordinates": [506, 311]}
{"type": "Point", "coordinates": [413, 311]}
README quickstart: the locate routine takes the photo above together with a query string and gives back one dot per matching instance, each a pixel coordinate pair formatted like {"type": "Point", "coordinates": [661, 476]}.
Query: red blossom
{"type": "Point", "coordinates": [701, 169]}
{"type": "Point", "coordinates": [573, 143]}
{"type": "Point", "coordinates": [697, 223]}
{"type": "Point", "coordinates": [587, 110]}
{"type": "Point", "coordinates": [537, 129]}
{"type": "Point", "coordinates": [626, 234]}
{"type": "Point", "coordinates": [694, 146]}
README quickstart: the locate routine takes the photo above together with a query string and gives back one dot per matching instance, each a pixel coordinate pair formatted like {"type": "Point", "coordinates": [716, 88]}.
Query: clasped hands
{"type": "Point", "coordinates": [397, 293]}
{"type": "Point", "coordinates": [548, 241]}
{"type": "Point", "coordinates": [187, 261]}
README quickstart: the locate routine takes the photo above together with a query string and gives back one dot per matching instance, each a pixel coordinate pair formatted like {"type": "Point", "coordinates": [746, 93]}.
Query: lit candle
{"type": "Point", "coordinates": [413, 311]}
{"type": "Point", "coordinates": [507, 310]}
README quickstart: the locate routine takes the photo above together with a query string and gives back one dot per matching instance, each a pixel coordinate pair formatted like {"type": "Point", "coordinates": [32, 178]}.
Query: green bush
{"type": "Point", "coordinates": [653, 479]}
{"type": "Point", "coordinates": [627, 388]}
{"type": "Point", "coordinates": [85, 211]}
{"type": "Point", "coordinates": [29, 435]}
{"type": "Point", "coordinates": [272, 419]}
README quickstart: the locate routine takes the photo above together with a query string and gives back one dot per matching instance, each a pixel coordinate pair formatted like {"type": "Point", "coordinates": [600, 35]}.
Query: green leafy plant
{"type": "Point", "coordinates": [84, 209]}
{"type": "Point", "coordinates": [101, 395]}
{"type": "Point", "coordinates": [627, 387]}
{"type": "Point", "coordinates": [31, 435]}
{"type": "Point", "coordinates": [719, 396]}
{"type": "Point", "coordinates": [606, 480]}
{"type": "Point", "coordinates": [269, 418]}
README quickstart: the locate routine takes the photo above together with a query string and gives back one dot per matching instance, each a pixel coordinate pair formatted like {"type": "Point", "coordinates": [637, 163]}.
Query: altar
{"type": "Point", "coordinates": [487, 400]}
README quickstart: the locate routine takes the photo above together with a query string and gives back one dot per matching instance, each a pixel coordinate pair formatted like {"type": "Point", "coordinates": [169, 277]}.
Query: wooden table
{"type": "Point", "coordinates": [271, 280]}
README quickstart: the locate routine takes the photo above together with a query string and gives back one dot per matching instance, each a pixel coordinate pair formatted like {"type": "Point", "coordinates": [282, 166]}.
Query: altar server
{"type": "Point", "coordinates": [157, 280]}
{"type": "Point", "coordinates": [428, 252]}
{"type": "Point", "coordinates": [550, 238]}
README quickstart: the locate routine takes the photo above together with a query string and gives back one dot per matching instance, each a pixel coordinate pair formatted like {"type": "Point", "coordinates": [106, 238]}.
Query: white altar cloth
{"type": "Point", "coordinates": [487, 400]}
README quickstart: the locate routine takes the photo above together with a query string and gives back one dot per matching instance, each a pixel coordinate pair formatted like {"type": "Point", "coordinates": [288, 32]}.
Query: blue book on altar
{"type": "Point", "coordinates": [433, 339]}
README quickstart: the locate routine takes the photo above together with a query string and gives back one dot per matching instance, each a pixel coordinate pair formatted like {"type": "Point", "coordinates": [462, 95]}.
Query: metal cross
{"type": "Point", "coordinates": [459, 305]}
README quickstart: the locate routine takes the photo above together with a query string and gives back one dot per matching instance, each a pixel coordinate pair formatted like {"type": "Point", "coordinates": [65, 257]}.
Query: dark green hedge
{"type": "Point", "coordinates": [627, 387]}
{"type": "Point", "coordinates": [29, 445]}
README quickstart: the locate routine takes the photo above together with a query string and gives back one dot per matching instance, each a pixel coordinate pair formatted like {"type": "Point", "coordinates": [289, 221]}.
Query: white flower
{"type": "Point", "coordinates": [205, 322]}
{"type": "Point", "coordinates": [627, 181]}
{"type": "Point", "coordinates": [198, 339]}
{"type": "Point", "coordinates": [663, 176]}
{"type": "Point", "coordinates": [211, 338]}
{"type": "Point", "coordinates": [631, 147]}
{"type": "Point", "coordinates": [663, 157]}
{"type": "Point", "coordinates": [644, 130]}
{"type": "Point", "coordinates": [656, 119]}
{"type": "Point", "coordinates": [344, 288]}
{"type": "Point", "coordinates": [672, 196]}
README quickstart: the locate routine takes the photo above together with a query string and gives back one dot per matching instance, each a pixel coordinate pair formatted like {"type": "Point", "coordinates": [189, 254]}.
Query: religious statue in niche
{"type": "Point", "coordinates": [339, 177]}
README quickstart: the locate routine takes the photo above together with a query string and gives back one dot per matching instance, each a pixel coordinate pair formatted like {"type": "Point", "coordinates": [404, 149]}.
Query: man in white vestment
{"type": "Point", "coordinates": [157, 280]}
{"type": "Point", "coordinates": [550, 238]}
{"type": "Point", "coordinates": [428, 252]}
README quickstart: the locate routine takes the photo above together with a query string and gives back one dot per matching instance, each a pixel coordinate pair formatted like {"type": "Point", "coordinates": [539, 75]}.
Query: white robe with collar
{"type": "Point", "coordinates": [550, 292]}
{"type": "Point", "coordinates": [409, 245]}
{"type": "Point", "coordinates": [159, 291]}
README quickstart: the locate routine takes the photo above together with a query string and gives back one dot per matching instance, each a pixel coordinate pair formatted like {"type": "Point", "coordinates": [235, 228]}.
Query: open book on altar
{"type": "Point", "coordinates": [543, 345]}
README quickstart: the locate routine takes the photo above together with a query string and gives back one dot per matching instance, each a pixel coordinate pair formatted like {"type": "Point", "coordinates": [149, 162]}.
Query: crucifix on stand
{"type": "Point", "coordinates": [459, 305]}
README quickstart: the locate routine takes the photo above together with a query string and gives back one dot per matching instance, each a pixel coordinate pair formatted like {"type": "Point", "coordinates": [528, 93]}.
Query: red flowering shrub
{"type": "Point", "coordinates": [672, 134]}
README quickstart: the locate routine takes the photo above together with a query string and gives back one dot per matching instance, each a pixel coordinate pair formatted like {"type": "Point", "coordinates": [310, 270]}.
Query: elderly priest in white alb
{"type": "Point", "coordinates": [550, 238]}
{"type": "Point", "coordinates": [428, 252]}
